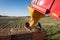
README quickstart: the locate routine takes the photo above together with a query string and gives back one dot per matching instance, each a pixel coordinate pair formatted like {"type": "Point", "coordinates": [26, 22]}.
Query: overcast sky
{"type": "Point", "coordinates": [14, 7]}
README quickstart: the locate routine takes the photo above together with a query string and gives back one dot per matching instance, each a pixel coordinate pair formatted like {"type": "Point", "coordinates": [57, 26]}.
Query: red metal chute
{"type": "Point", "coordinates": [51, 7]}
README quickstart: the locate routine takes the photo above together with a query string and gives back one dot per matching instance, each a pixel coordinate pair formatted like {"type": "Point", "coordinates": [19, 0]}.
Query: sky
{"type": "Point", "coordinates": [14, 7]}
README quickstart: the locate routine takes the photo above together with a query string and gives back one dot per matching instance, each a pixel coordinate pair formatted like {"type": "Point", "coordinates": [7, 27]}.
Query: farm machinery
{"type": "Point", "coordinates": [40, 8]}
{"type": "Point", "coordinates": [37, 9]}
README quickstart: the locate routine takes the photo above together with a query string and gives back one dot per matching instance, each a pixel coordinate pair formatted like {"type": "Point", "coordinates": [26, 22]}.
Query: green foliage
{"type": "Point", "coordinates": [52, 27]}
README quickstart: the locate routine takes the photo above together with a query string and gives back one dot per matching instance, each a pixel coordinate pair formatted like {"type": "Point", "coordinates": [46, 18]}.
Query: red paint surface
{"type": "Point", "coordinates": [59, 39]}
{"type": "Point", "coordinates": [46, 4]}
{"type": "Point", "coordinates": [56, 9]}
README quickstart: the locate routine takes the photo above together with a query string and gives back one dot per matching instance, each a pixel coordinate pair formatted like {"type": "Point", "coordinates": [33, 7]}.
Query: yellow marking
{"type": "Point", "coordinates": [35, 16]}
{"type": "Point", "coordinates": [31, 10]}
{"type": "Point", "coordinates": [55, 14]}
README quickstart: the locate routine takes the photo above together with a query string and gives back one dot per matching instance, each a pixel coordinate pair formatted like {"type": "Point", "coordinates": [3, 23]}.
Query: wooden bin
{"type": "Point", "coordinates": [39, 35]}
{"type": "Point", "coordinates": [5, 37]}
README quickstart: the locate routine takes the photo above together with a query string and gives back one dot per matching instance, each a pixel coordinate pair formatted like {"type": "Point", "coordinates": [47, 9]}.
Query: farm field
{"type": "Point", "coordinates": [10, 21]}
{"type": "Point", "coordinates": [51, 25]}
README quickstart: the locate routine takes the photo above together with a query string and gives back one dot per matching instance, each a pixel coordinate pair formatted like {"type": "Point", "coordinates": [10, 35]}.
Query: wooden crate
{"type": "Point", "coordinates": [5, 37]}
{"type": "Point", "coordinates": [27, 36]}
{"type": "Point", "coordinates": [41, 35]}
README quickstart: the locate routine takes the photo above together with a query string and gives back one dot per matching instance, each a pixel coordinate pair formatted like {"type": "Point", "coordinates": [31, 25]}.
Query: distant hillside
{"type": "Point", "coordinates": [3, 16]}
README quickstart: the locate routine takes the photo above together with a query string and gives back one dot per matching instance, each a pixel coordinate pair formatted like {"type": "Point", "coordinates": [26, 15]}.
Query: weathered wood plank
{"type": "Point", "coordinates": [38, 35]}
